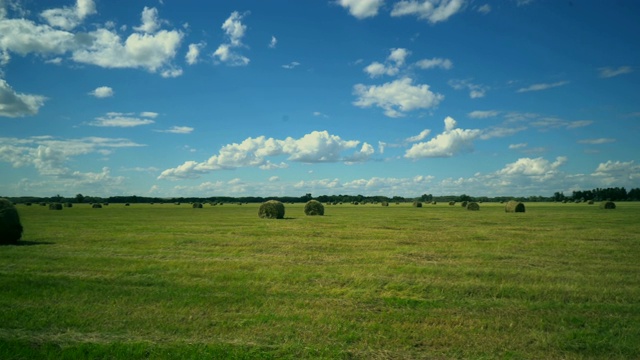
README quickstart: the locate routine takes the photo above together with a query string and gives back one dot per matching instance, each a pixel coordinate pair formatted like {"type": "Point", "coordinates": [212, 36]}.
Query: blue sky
{"type": "Point", "coordinates": [273, 98]}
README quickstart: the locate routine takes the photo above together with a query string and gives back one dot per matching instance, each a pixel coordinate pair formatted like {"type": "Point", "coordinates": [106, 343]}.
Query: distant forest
{"type": "Point", "coordinates": [612, 194]}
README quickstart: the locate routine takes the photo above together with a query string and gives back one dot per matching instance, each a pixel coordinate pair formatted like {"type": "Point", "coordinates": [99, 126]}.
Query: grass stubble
{"type": "Point", "coordinates": [365, 282]}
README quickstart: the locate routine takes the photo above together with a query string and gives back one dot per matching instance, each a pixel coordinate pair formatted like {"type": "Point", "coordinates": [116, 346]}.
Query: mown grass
{"type": "Point", "coordinates": [366, 282]}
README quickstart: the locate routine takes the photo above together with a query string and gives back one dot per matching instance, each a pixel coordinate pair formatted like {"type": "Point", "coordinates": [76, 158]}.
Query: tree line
{"type": "Point", "coordinates": [598, 194]}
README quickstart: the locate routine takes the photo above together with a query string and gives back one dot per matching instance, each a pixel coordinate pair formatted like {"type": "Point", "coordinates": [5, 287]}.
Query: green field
{"type": "Point", "coordinates": [561, 281]}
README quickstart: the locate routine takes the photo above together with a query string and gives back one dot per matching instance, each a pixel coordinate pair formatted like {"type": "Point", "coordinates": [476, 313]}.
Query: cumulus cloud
{"type": "Point", "coordinates": [68, 18]}
{"type": "Point", "coordinates": [392, 65]}
{"type": "Point", "coordinates": [193, 53]}
{"type": "Point", "coordinates": [423, 135]}
{"type": "Point", "coordinates": [102, 92]}
{"type": "Point", "coordinates": [542, 86]}
{"type": "Point", "coordinates": [150, 21]}
{"type": "Point", "coordinates": [315, 147]}
{"type": "Point", "coordinates": [235, 30]}
{"type": "Point", "coordinates": [538, 167]}
{"type": "Point", "coordinates": [435, 63]}
{"type": "Point", "coordinates": [14, 104]}
{"type": "Point", "coordinates": [433, 11]}
{"type": "Point", "coordinates": [608, 72]}
{"type": "Point", "coordinates": [450, 142]}
{"type": "Point", "coordinates": [396, 97]}
{"type": "Point", "coordinates": [362, 9]}
{"type": "Point", "coordinates": [116, 119]}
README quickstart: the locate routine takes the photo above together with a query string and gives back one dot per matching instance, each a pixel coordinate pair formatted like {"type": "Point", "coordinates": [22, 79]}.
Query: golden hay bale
{"type": "Point", "coordinates": [514, 206]}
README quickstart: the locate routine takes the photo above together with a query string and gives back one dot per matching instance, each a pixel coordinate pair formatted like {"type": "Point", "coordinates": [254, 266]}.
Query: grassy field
{"type": "Point", "coordinates": [362, 282]}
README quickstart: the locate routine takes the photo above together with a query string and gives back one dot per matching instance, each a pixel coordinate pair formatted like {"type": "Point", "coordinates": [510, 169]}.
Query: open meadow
{"type": "Point", "coordinates": [363, 282]}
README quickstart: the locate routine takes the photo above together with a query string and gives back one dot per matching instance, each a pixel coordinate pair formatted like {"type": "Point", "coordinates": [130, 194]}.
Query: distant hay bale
{"type": "Point", "coordinates": [68, 205]}
{"type": "Point", "coordinates": [384, 203]}
{"type": "Point", "coordinates": [607, 205]}
{"type": "Point", "coordinates": [433, 203]}
{"type": "Point", "coordinates": [417, 204]}
{"type": "Point", "coordinates": [10, 226]}
{"type": "Point", "coordinates": [127, 204]}
{"type": "Point", "coordinates": [313, 207]}
{"type": "Point", "coordinates": [55, 206]}
{"type": "Point", "coordinates": [590, 202]}
{"type": "Point", "coordinates": [28, 204]}
{"type": "Point", "coordinates": [197, 205]}
{"type": "Point", "coordinates": [464, 204]}
{"type": "Point", "coordinates": [97, 206]}
{"type": "Point", "coordinates": [106, 204]}
{"type": "Point", "coordinates": [514, 207]}
{"type": "Point", "coordinates": [271, 209]}
{"type": "Point", "coordinates": [473, 206]}
{"type": "Point", "coordinates": [451, 203]}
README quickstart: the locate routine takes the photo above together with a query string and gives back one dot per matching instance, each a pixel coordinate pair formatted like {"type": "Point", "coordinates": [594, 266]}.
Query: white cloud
{"type": "Point", "coordinates": [315, 147]}
{"type": "Point", "coordinates": [68, 18]}
{"type": "Point", "coordinates": [396, 97]}
{"type": "Point", "coordinates": [483, 114]}
{"type": "Point", "coordinates": [14, 104]}
{"type": "Point", "coordinates": [150, 21]}
{"type": "Point", "coordinates": [543, 86]}
{"type": "Point", "coordinates": [24, 37]}
{"type": "Point", "coordinates": [177, 130]}
{"type": "Point", "coordinates": [193, 53]}
{"type": "Point", "coordinates": [475, 90]}
{"type": "Point", "coordinates": [102, 92]}
{"type": "Point", "coordinates": [362, 9]}
{"type": "Point", "coordinates": [423, 135]}
{"type": "Point", "coordinates": [518, 146]}
{"type": "Point", "coordinates": [449, 143]}
{"type": "Point", "coordinates": [435, 62]}
{"type": "Point", "coordinates": [394, 62]}
{"type": "Point", "coordinates": [597, 141]}
{"type": "Point", "coordinates": [291, 65]}
{"type": "Point", "coordinates": [115, 119]}
{"type": "Point", "coordinates": [433, 11]}
{"type": "Point", "coordinates": [273, 42]}
{"type": "Point", "coordinates": [539, 168]}
{"type": "Point", "coordinates": [608, 72]}
{"type": "Point", "coordinates": [484, 9]}
{"type": "Point", "coordinates": [617, 167]}
{"type": "Point", "coordinates": [235, 31]}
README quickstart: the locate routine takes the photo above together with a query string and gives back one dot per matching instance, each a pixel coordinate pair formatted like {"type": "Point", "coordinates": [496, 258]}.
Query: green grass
{"type": "Point", "coordinates": [365, 282]}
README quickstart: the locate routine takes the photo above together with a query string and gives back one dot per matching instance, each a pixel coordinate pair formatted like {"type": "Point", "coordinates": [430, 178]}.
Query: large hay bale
{"type": "Point", "coordinates": [313, 207]}
{"type": "Point", "coordinates": [451, 203]}
{"type": "Point", "coordinates": [197, 205]}
{"type": "Point", "coordinates": [97, 206]}
{"type": "Point", "coordinates": [55, 206]}
{"type": "Point", "coordinates": [464, 204]}
{"type": "Point", "coordinates": [384, 203]}
{"type": "Point", "coordinates": [10, 226]}
{"type": "Point", "coordinates": [590, 202]}
{"type": "Point", "coordinates": [607, 205]}
{"type": "Point", "coordinates": [473, 206]}
{"type": "Point", "coordinates": [272, 209]}
{"type": "Point", "coordinates": [417, 204]}
{"type": "Point", "coordinates": [514, 206]}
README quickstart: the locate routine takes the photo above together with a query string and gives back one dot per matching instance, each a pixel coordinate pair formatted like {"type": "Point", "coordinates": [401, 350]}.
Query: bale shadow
{"type": "Point", "coordinates": [29, 243]}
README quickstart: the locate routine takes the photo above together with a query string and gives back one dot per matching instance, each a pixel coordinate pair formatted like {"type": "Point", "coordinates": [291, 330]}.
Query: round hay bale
{"type": "Point", "coordinates": [68, 205]}
{"type": "Point", "coordinates": [451, 203]}
{"type": "Point", "coordinates": [313, 207]}
{"type": "Point", "coordinates": [590, 202]}
{"type": "Point", "coordinates": [384, 203]}
{"type": "Point", "coordinates": [10, 226]}
{"type": "Point", "coordinates": [607, 205]}
{"type": "Point", "coordinates": [97, 206]}
{"type": "Point", "coordinates": [434, 203]}
{"type": "Point", "coordinates": [197, 205]}
{"type": "Point", "coordinates": [272, 209]}
{"type": "Point", "coordinates": [55, 206]}
{"type": "Point", "coordinates": [464, 204]}
{"type": "Point", "coordinates": [417, 204]}
{"type": "Point", "coordinates": [473, 206]}
{"type": "Point", "coordinates": [127, 204]}
{"type": "Point", "coordinates": [514, 206]}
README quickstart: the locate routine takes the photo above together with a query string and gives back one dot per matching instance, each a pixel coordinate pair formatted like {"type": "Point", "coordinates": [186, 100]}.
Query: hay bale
{"type": "Point", "coordinates": [313, 207]}
{"type": "Point", "coordinates": [607, 205]}
{"type": "Point", "coordinates": [451, 203]}
{"type": "Point", "coordinates": [55, 206]}
{"type": "Point", "coordinates": [10, 226]}
{"type": "Point", "coordinates": [464, 204]}
{"type": "Point", "coordinates": [272, 209]}
{"type": "Point", "coordinates": [97, 206]}
{"type": "Point", "coordinates": [590, 202]}
{"type": "Point", "coordinates": [433, 203]}
{"type": "Point", "coordinates": [514, 206]}
{"type": "Point", "coordinates": [127, 204]}
{"type": "Point", "coordinates": [384, 203]}
{"type": "Point", "coordinates": [68, 205]}
{"type": "Point", "coordinates": [417, 204]}
{"type": "Point", "coordinates": [197, 206]}
{"type": "Point", "coordinates": [473, 206]}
